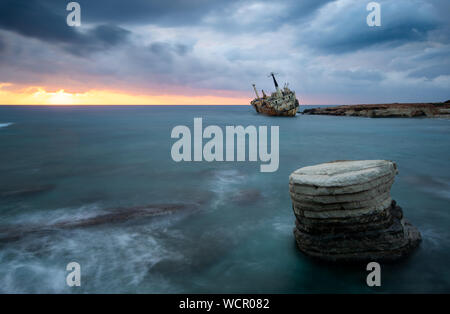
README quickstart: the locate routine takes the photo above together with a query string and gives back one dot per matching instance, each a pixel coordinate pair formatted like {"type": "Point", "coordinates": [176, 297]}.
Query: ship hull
{"type": "Point", "coordinates": [270, 111]}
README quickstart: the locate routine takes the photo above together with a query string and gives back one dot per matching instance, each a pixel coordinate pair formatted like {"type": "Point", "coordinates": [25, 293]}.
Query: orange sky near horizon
{"type": "Point", "coordinates": [36, 95]}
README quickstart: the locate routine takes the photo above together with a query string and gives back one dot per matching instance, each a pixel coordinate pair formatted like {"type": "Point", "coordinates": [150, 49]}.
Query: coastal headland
{"type": "Point", "coordinates": [393, 110]}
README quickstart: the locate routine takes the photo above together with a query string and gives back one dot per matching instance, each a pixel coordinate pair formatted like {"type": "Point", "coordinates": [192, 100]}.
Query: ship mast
{"type": "Point", "coordinates": [275, 83]}
{"type": "Point", "coordinates": [274, 80]}
{"type": "Point", "coordinates": [256, 92]}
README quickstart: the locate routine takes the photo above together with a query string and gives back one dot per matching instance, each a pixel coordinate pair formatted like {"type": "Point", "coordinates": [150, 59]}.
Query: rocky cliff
{"type": "Point", "coordinates": [396, 110]}
{"type": "Point", "coordinates": [344, 212]}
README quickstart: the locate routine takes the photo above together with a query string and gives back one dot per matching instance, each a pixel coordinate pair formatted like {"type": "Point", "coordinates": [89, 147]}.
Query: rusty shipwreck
{"type": "Point", "coordinates": [279, 103]}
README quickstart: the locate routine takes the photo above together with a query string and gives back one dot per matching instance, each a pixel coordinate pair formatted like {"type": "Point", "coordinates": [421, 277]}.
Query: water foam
{"type": "Point", "coordinates": [4, 125]}
{"type": "Point", "coordinates": [224, 183]}
{"type": "Point", "coordinates": [112, 258]}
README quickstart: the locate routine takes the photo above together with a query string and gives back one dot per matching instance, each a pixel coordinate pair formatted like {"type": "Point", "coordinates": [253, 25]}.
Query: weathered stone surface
{"type": "Point", "coordinates": [347, 197]}
{"type": "Point", "coordinates": [343, 173]}
{"type": "Point", "coordinates": [320, 190]}
{"type": "Point", "coordinates": [344, 212]}
{"type": "Point", "coordinates": [317, 207]}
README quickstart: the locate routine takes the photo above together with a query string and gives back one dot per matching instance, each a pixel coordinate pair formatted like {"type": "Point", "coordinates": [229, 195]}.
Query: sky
{"type": "Point", "coordinates": [211, 51]}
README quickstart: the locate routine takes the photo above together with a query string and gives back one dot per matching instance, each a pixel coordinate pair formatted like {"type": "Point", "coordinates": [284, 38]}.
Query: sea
{"type": "Point", "coordinates": [81, 184]}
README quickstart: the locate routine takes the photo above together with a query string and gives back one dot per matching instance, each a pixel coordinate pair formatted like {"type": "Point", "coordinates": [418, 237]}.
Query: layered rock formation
{"type": "Point", "coordinates": [430, 110]}
{"type": "Point", "coordinates": [344, 212]}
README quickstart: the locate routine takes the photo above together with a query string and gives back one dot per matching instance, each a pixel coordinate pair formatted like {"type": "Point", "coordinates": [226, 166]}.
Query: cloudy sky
{"type": "Point", "coordinates": [211, 51]}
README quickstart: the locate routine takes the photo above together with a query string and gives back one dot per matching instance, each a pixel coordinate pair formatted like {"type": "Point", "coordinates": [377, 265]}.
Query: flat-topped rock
{"type": "Point", "coordinates": [343, 173]}
{"type": "Point", "coordinates": [344, 212]}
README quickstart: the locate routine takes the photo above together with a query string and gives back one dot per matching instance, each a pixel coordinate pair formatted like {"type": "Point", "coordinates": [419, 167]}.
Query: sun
{"type": "Point", "coordinates": [60, 98]}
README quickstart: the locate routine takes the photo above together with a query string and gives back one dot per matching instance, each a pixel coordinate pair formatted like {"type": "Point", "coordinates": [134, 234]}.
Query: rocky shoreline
{"type": "Point", "coordinates": [394, 110]}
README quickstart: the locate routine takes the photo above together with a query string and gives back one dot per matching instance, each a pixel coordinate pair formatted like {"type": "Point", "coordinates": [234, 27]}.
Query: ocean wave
{"type": "Point", "coordinates": [112, 260]}
{"type": "Point", "coordinates": [4, 125]}
{"type": "Point", "coordinates": [225, 183]}
{"type": "Point", "coordinates": [437, 186]}
{"type": "Point", "coordinates": [56, 216]}
{"type": "Point", "coordinates": [433, 238]}
{"type": "Point", "coordinates": [283, 227]}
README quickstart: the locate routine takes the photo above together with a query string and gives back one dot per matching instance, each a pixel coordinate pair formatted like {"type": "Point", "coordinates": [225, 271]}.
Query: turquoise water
{"type": "Point", "coordinates": [63, 165]}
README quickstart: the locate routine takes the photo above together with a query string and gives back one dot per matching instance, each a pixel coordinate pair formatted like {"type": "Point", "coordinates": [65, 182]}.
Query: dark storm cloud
{"type": "Point", "coordinates": [345, 29]}
{"type": "Point", "coordinates": [183, 12]}
{"type": "Point", "coordinates": [300, 9]}
{"type": "Point", "coordinates": [393, 35]}
{"type": "Point", "coordinates": [101, 37]}
{"type": "Point", "coordinates": [402, 21]}
{"type": "Point", "coordinates": [109, 34]}
{"type": "Point", "coordinates": [320, 46]}
{"type": "Point", "coordinates": [34, 19]}
{"type": "Point", "coordinates": [164, 49]}
{"type": "Point", "coordinates": [173, 12]}
{"type": "Point", "coordinates": [431, 72]}
{"type": "Point", "coordinates": [46, 20]}
{"type": "Point", "coordinates": [260, 16]}
{"type": "Point", "coordinates": [48, 14]}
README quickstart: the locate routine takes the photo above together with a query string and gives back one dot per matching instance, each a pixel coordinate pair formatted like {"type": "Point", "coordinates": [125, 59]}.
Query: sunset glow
{"type": "Point", "coordinates": [40, 96]}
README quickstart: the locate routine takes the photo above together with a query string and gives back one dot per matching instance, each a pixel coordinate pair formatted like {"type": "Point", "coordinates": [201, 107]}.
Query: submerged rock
{"type": "Point", "coordinates": [344, 212]}
{"type": "Point", "coordinates": [11, 233]}
{"type": "Point", "coordinates": [247, 197]}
